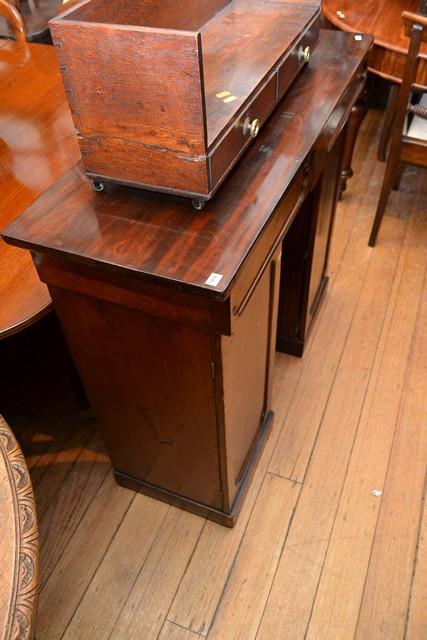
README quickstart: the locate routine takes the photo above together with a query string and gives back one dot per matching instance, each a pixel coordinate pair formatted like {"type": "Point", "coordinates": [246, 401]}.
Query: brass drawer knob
{"type": "Point", "coordinates": [304, 54]}
{"type": "Point", "coordinates": [251, 128]}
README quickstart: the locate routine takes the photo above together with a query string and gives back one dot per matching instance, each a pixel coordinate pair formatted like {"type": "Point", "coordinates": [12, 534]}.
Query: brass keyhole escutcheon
{"type": "Point", "coordinates": [251, 127]}
{"type": "Point", "coordinates": [304, 54]}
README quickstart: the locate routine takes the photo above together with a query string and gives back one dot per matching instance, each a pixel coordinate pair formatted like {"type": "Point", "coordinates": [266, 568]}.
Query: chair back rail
{"type": "Point", "coordinates": [14, 18]}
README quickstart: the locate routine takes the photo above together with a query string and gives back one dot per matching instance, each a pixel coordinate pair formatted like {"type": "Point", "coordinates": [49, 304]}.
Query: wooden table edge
{"type": "Point", "coordinates": [11, 329]}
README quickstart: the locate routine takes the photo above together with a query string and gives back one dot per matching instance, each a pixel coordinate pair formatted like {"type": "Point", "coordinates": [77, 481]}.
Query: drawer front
{"type": "Point", "coordinates": [294, 61]}
{"type": "Point", "coordinates": [235, 141]}
{"type": "Point", "coordinates": [337, 121]}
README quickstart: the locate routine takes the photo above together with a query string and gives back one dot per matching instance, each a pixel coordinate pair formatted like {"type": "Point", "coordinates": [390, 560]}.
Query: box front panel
{"type": "Point", "coordinates": [136, 100]}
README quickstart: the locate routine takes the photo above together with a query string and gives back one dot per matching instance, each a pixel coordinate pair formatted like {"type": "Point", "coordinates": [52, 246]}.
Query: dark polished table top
{"type": "Point", "coordinates": [162, 237]}
{"type": "Point", "coordinates": [37, 146]}
{"type": "Point", "coordinates": [382, 19]}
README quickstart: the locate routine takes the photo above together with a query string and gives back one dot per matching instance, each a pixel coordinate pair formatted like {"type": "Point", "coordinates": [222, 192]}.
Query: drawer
{"type": "Point", "coordinates": [337, 120]}
{"type": "Point", "coordinates": [295, 60]}
{"type": "Point", "coordinates": [235, 141]}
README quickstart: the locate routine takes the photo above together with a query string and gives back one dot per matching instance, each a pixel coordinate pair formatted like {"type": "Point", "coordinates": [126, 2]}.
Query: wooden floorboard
{"type": "Point", "coordinates": [314, 554]}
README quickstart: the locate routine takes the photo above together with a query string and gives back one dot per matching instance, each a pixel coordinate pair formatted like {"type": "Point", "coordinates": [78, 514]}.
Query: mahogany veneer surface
{"type": "Point", "coordinates": [161, 237]}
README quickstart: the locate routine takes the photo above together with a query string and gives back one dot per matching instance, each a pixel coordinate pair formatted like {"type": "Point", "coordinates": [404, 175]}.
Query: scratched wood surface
{"type": "Point", "coordinates": [314, 553]}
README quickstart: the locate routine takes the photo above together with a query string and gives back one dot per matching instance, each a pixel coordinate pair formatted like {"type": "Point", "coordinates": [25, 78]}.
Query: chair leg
{"type": "Point", "coordinates": [398, 176]}
{"type": "Point", "coordinates": [389, 177]}
{"type": "Point", "coordinates": [388, 121]}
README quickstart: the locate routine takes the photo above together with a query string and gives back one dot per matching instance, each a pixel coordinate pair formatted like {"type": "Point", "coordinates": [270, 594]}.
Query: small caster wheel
{"type": "Point", "coordinates": [198, 204]}
{"type": "Point", "coordinates": [98, 185]}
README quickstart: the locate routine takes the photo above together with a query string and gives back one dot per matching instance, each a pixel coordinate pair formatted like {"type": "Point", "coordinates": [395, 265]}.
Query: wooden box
{"type": "Point", "coordinates": [167, 95]}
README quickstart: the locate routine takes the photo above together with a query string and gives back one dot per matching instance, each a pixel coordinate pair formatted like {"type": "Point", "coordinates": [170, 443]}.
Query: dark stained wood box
{"type": "Point", "coordinates": [166, 95]}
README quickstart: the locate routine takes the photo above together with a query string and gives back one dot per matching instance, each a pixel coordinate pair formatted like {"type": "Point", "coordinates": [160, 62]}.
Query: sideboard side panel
{"type": "Point", "coordinates": [150, 384]}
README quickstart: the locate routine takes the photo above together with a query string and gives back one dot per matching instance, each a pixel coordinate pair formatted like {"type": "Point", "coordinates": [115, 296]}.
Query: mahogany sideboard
{"type": "Point", "coordinates": [171, 314]}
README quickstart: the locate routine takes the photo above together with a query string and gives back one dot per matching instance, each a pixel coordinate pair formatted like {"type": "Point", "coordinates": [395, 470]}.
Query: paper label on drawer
{"type": "Point", "coordinates": [214, 279]}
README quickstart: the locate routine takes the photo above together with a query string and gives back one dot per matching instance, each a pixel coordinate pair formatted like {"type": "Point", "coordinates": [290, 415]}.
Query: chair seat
{"type": "Point", "coordinates": [418, 126]}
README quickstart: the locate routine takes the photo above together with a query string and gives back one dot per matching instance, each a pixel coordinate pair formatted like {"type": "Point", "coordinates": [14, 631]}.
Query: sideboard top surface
{"type": "Point", "coordinates": [160, 237]}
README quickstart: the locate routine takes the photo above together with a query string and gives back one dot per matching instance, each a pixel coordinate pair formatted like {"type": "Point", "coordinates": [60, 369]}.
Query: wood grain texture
{"type": "Point", "coordinates": [19, 540]}
{"type": "Point", "coordinates": [156, 585]}
{"type": "Point", "coordinates": [117, 565]}
{"type": "Point", "coordinates": [136, 365]}
{"type": "Point", "coordinates": [89, 540]}
{"type": "Point", "coordinates": [295, 446]}
{"type": "Point", "coordinates": [246, 591]}
{"type": "Point", "coordinates": [393, 552]}
{"type": "Point", "coordinates": [301, 562]}
{"type": "Point", "coordinates": [171, 631]}
{"type": "Point", "coordinates": [200, 589]}
{"type": "Point", "coordinates": [37, 146]}
{"type": "Point", "coordinates": [73, 498]}
{"type": "Point", "coordinates": [191, 246]}
{"type": "Point", "coordinates": [359, 508]}
{"type": "Point", "coordinates": [383, 20]}
{"type": "Point", "coordinates": [417, 619]}
{"type": "Point", "coordinates": [158, 107]}
{"type": "Point", "coordinates": [166, 394]}
{"type": "Point", "coordinates": [212, 560]}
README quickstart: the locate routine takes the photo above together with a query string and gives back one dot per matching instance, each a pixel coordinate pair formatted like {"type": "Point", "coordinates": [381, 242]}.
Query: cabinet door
{"type": "Point", "coordinates": [247, 358]}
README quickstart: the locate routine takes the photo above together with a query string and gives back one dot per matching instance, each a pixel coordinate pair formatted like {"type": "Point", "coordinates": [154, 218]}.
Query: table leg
{"type": "Point", "coordinates": [356, 118]}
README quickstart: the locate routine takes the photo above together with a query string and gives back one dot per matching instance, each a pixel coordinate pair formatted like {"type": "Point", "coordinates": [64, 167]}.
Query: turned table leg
{"type": "Point", "coordinates": [356, 118]}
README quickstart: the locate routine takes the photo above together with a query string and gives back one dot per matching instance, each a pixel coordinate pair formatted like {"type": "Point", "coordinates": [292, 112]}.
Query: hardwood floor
{"type": "Point", "coordinates": [331, 542]}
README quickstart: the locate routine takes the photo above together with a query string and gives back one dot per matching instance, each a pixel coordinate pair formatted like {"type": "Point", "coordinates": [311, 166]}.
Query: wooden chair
{"type": "Point", "coordinates": [12, 15]}
{"type": "Point", "coordinates": [404, 146]}
{"type": "Point", "coordinates": [392, 105]}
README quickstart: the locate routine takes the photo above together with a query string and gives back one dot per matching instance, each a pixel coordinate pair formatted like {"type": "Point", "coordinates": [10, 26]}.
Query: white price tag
{"type": "Point", "coordinates": [214, 279]}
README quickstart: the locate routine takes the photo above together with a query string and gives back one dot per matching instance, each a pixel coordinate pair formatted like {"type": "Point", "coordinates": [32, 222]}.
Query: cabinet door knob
{"type": "Point", "coordinates": [304, 54]}
{"type": "Point", "coordinates": [251, 128]}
